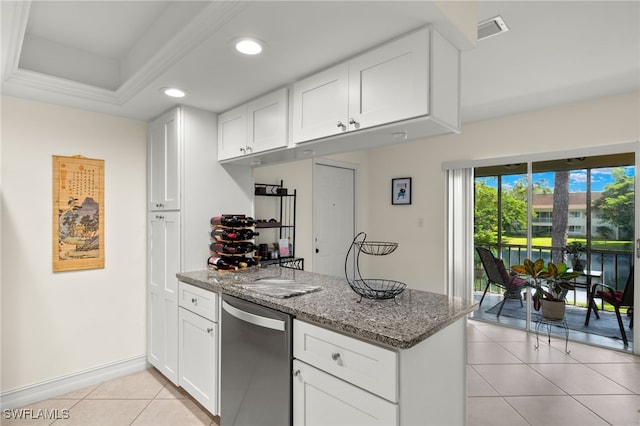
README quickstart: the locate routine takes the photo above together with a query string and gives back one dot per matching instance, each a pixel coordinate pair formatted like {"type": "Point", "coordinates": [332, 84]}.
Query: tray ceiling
{"type": "Point", "coordinates": [114, 56]}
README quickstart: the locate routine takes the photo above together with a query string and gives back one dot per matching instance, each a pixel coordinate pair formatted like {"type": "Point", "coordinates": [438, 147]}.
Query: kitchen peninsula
{"type": "Point", "coordinates": [406, 358]}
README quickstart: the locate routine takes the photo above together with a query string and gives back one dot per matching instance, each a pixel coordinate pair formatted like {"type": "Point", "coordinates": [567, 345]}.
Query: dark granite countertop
{"type": "Point", "coordinates": [402, 323]}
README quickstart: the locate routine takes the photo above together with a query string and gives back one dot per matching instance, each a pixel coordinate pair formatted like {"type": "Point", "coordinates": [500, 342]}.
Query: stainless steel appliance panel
{"type": "Point", "coordinates": [256, 362]}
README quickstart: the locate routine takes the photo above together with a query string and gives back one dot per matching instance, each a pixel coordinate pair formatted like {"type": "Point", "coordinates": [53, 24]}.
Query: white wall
{"type": "Point", "coordinates": [296, 175]}
{"type": "Point", "coordinates": [421, 253]}
{"type": "Point", "coordinates": [57, 324]}
{"type": "Point", "coordinates": [419, 228]}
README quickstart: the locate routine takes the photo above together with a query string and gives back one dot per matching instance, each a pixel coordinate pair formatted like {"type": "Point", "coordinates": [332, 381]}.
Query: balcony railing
{"type": "Point", "coordinates": [614, 264]}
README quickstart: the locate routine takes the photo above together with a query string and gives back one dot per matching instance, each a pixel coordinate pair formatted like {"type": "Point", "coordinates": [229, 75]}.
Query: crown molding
{"type": "Point", "coordinates": [201, 27]}
{"type": "Point", "coordinates": [16, 28]}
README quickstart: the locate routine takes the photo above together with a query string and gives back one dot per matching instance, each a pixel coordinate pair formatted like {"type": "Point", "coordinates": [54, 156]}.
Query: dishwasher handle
{"type": "Point", "coordinates": [245, 316]}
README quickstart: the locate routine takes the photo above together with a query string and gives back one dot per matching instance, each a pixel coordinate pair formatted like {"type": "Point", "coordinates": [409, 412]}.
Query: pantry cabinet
{"type": "Point", "coordinates": [391, 83]}
{"type": "Point", "coordinates": [198, 346]}
{"type": "Point", "coordinates": [257, 126]}
{"type": "Point", "coordinates": [162, 303]}
{"type": "Point", "coordinates": [182, 167]}
{"type": "Point", "coordinates": [164, 162]}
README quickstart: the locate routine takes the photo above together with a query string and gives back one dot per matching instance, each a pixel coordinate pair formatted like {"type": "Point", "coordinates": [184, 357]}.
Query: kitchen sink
{"type": "Point", "coordinates": [278, 287]}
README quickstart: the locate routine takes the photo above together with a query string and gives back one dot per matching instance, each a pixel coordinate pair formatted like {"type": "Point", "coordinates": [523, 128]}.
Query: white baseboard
{"type": "Point", "coordinates": [25, 395]}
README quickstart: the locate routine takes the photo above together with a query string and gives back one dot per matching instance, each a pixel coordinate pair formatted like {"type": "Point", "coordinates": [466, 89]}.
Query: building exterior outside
{"type": "Point", "coordinates": [543, 219]}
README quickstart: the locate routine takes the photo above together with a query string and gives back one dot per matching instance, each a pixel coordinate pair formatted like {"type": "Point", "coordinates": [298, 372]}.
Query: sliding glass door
{"type": "Point", "coordinates": [577, 211]}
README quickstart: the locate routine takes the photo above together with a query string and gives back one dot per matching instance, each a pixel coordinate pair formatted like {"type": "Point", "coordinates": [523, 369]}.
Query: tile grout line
{"type": "Point", "coordinates": [572, 396]}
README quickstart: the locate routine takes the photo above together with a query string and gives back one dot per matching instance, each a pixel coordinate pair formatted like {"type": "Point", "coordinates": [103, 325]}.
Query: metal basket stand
{"type": "Point", "coordinates": [371, 288]}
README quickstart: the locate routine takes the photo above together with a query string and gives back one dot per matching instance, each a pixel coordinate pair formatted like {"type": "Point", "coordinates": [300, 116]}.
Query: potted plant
{"type": "Point", "coordinates": [555, 278]}
{"type": "Point", "coordinates": [575, 248]}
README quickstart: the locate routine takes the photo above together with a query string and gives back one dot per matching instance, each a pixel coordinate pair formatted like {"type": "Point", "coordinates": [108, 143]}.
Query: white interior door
{"type": "Point", "coordinates": [334, 217]}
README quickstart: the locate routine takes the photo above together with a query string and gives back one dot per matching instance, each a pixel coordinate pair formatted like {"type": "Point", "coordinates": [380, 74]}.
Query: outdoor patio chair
{"type": "Point", "coordinates": [497, 274]}
{"type": "Point", "coordinates": [618, 299]}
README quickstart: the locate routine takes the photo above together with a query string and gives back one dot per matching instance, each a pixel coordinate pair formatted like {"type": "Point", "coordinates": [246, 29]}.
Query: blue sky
{"type": "Point", "coordinates": [577, 180]}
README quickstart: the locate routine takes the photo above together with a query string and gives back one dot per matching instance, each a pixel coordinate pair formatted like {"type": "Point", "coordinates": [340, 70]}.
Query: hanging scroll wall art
{"type": "Point", "coordinates": [78, 213]}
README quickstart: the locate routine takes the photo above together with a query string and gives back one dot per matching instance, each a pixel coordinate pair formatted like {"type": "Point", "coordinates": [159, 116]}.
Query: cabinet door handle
{"type": "Point", "coordinates": [249, 149]}
{"type": "Point", "coordinates": [209, 330]}
{"type": "Point", "coordinates": [159, 217]}
{"type": "Point", "coordinates": [243, 150]}
{"type": "Point", "coordinates": [353, 122]}
{"type": "Point", "coordinates": [296, 373]}
{"type": "Point", "coordinates": [342, 126]}
{"type": "Point", "coordinates": [194, 301]}
{"type": "Point", "coordinates": [336, 357]}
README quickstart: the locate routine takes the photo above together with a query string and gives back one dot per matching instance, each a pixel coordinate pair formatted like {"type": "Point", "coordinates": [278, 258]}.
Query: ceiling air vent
{"type": "Point", "coordinates": [491, 27]}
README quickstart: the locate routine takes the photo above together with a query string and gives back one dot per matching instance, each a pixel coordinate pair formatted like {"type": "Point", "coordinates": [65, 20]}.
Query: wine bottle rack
{"type": "Point", "coordinates": [371, 288]}
{"type": "Point", "coordinates": [223, 248]}
{"type": "Point", "coordinates": [275, 208]}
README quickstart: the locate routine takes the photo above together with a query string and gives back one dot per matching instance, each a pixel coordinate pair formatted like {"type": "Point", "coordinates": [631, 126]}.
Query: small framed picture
{"type": "Point", "coordinates": [401, 191]}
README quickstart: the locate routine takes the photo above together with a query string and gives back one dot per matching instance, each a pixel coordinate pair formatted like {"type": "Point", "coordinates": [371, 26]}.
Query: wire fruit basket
{"type": "Point", "coordinates": [371, 288]}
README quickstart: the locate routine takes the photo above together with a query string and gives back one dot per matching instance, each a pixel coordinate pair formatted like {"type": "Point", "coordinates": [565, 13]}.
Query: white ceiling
{"type": "Point", "coordinates": [113, 56]}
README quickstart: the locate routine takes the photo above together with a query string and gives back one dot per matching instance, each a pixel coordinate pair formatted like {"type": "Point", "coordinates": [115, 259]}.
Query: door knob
{"type": "Point", "coordinates": [317, 251]}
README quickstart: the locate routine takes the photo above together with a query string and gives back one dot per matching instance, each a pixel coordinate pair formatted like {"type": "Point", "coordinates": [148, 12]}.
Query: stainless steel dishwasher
{"type": "Point", "coordinates": [256, 360]}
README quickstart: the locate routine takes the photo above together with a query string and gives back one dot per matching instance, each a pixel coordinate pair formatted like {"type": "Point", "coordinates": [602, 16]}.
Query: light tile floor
{"type": "Point", "coordinates": [145, 398]}
{"type": "Point", "coordinates": [509, 382]}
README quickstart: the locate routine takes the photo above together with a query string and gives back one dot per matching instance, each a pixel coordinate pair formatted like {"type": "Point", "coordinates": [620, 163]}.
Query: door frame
{"type": "Point", "coordinates": [314, 202]}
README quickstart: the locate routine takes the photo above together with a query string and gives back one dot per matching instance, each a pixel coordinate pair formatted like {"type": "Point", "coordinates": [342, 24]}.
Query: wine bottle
{"type": "Point", "coordinates": [243, 262]}
{"type": "Point", "coordinates": [224, 234]}
{"type": "Point", "coordinates": [220, 263]}
{"type": "Point", "coordinates": [223, 248]}
{"type": "Point", "coordinates": [232, 247]}
{"type": "Point", "coordinates": [245, 247]}
{"type": "Point", "coordinates": [233, 221]}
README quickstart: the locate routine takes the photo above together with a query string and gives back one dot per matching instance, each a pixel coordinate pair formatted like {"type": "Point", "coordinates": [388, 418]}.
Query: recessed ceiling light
{"type": "Point", "coordinates": [173, 92]}
{"type": "Point", "coordinates": [248, 46]}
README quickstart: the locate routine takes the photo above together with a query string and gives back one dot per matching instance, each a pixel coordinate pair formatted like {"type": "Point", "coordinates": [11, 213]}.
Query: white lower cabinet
{"type": "Point", "coordinates": [340, 380]}
{"type": "Point", "coordinates": [162, 292]}
{"type": "Point", "coordinates": [198, 345]}
{"type": "Point", "coordinates": [322, 399]}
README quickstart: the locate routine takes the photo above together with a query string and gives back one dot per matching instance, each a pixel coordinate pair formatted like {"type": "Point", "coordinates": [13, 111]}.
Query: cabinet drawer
{"type": "Point", "coordinates": [321, 399]}
{"type": "Point", "coordinates": [199, 301]}
{"type": "Point", "coordinates": [363, 364]}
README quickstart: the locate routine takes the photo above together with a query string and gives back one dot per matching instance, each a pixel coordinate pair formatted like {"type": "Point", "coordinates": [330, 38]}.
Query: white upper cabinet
{"type": "Point", "coordinates": [268, 121]}
{"type": "Point", "coordinates": [390, 83]}
{"type": "Point", "coordinates": [385, 85]}
{"type": "Point", "coordinates": [257, 126]}
{"type": "Point", "coordinates": [321, 104]}
{"type": "Point", "coordinates": [164, 162]}
{"type": "Point", "coordinates": [232, 133]}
